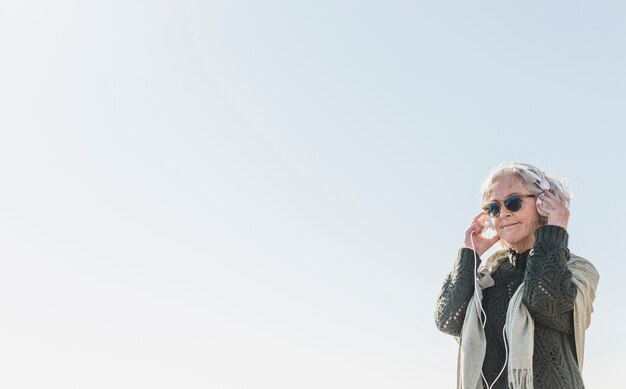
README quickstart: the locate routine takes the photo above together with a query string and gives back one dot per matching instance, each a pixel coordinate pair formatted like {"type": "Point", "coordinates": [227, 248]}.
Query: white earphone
{"type": "Point", "coordinates": [540, 178]}
{"type": "Point", "coordinates": [489, 224]}
{"type": "Point", "coordinates": [483, 313]}
{"type": "Point", "coordinates": [544, 184]}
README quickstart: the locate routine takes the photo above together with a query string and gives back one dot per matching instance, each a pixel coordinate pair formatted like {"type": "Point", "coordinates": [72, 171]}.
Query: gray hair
{"type": "Point", "coordinates": [533, 178]}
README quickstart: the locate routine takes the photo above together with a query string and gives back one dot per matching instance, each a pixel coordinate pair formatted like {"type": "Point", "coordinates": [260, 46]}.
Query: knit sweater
{"type": "Point", "coordinates": [549, 295]}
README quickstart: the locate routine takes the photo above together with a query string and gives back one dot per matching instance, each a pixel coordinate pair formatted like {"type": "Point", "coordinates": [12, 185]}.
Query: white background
{"type": "Point", "coordinates": [268, 194]}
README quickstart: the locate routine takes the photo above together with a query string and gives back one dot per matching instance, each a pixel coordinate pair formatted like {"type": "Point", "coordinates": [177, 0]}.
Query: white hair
{"type": "Point", "coordinates": [532, 177]}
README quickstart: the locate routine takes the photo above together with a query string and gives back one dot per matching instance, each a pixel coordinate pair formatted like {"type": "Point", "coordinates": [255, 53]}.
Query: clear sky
{"type": "Point", "coordinates": [268, 194]}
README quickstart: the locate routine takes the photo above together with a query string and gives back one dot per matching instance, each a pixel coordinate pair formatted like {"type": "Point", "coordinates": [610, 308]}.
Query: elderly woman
{"type": "Point", "coordinates": [520, 315]}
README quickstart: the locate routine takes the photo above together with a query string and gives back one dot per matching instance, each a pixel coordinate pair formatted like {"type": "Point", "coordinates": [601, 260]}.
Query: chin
{"type": "Point", "coordinates": [512, 240]}
{"type": "Point", "coordinates": [509, 238]}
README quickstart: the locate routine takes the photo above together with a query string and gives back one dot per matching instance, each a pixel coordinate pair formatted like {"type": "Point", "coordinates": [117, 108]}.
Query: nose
{"type": "Point", "coordinates": [504, 212]}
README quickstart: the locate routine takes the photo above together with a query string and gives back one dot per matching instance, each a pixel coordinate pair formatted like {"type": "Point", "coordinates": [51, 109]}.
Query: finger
{"type": "Point", "coordinates": [479, 216]}
{"type": "Point", "coordinates": [545, 198]}
{"type": "Point", "coordinates": [471, 229]}
{"type": "Point", "coordinates": [548, 193]}
{"type": "Point", "coordinates": [476, 223]}
{"type": "Point", "coordinates": [551, 203]}
{"type": "Point", "coordinates": [551, 198]}
{"type": "Point", "coordinates": [475, 227]}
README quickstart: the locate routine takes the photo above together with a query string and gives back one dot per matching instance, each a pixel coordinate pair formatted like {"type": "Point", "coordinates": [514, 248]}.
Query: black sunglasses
{"type": "Point", "coordinates": [513, 203]}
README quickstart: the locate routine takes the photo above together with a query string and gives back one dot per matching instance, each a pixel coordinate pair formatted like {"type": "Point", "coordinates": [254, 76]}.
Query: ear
{"type": "Point", "coordinates": [543, 220]}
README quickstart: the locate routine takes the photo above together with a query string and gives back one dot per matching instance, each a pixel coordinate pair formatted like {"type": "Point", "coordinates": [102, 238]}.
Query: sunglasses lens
{"type": "Point", "coordinates": [492, 209]}
{"type": "Point", "coordinates": [513, 203]}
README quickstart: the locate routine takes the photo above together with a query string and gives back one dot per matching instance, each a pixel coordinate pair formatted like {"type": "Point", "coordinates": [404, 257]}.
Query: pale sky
{"type": "Point", "coordinates": [268, 194]}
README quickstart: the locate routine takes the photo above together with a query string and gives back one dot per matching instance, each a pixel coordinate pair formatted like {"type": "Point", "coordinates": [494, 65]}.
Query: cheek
{"type": "Point", "coordinates": [531, 218]}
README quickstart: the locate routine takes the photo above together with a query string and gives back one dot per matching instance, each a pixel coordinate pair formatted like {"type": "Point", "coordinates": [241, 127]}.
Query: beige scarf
{"type": "Point", "coordinates": [519, 326]}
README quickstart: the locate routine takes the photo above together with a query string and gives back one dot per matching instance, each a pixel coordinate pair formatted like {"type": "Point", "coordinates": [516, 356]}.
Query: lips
{"type": "Point", "coordinates": [510, 225]}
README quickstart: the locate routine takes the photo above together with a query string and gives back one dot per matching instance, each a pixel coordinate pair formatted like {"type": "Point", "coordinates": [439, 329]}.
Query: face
{"type": "Point", "coordinates": [515, 228]}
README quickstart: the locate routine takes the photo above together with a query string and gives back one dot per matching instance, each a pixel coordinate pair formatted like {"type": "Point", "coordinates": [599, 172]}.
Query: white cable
{"type": "Point", "coordinates": [476, 297]}
{"type": "Point", "coordinates": [480, 304]}
{"type": "Point", "coordinates": [506, 355]}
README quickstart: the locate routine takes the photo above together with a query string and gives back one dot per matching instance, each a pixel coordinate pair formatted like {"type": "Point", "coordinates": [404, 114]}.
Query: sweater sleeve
{"type": "Point", "coordinates": [456, 293]}
{"type": "Point", "coordinates": [549, 291]}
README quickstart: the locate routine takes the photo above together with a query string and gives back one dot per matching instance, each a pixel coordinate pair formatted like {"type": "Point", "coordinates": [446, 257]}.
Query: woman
{"type": "Point", "coordinates": [519, 316]}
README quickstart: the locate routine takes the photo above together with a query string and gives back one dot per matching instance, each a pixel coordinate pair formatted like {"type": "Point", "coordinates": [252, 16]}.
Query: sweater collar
{"type": "Point", "coordinates": [518, 259]}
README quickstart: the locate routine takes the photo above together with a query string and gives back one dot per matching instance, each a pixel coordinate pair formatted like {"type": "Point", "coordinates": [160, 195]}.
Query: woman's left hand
{"type": "Point", "coordinates": [548, 205]}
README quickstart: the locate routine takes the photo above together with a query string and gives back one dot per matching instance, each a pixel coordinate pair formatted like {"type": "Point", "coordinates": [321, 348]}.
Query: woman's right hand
{"type": "Point", "coordinates": [474, 231]}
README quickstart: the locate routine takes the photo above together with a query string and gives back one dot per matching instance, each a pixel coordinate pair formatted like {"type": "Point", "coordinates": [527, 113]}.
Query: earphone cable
{"type": "Point", "coordinates": [483, 322]}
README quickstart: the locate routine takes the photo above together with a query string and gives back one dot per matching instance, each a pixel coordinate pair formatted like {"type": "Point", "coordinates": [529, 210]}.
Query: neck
{"type": "Point", "coordinates": [520, 247]}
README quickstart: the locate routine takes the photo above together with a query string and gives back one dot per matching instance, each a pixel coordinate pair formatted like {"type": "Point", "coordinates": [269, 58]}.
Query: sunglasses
{"type": "Point", "coordinates": [513, 203]}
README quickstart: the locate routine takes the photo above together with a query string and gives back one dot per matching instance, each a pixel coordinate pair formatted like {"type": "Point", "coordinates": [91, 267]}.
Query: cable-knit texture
{"type": "Point", "coordinates": [549, 295]}
{"type": "Point", "coordinates": [457, 290]}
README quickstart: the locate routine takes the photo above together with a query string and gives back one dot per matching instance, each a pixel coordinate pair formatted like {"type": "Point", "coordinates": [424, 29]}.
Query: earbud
{"type": "Point", "coordinates": [543, 184]}
{"type": "Point", "coordinates": [541, 181]}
